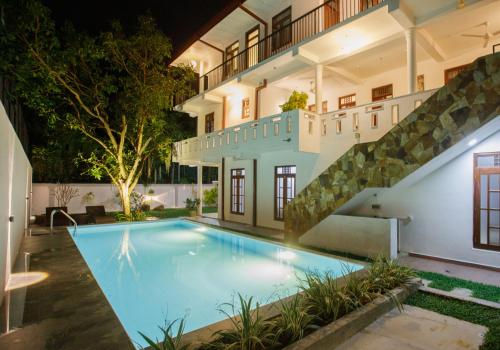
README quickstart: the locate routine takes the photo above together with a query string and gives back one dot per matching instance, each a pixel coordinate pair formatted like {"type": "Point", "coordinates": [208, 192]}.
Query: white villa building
{"type": "Point", "coordinates": [365, 65]}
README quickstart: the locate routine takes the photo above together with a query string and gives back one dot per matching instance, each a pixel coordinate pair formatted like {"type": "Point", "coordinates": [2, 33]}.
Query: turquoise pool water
{"type": "Point", "coordinates": [153, 272]}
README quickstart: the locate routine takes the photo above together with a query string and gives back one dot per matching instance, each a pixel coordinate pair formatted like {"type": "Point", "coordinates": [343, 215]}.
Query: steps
{"type": "Point", "coordinates": [453, 113]}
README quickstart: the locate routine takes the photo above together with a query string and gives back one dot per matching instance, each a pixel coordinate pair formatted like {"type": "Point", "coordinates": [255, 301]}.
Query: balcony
{"type": "Point", "coordinates": [330, 134]}
{"type": "Point", "coordinates": [295, 131]}
{"type": "Point", "coordinates": [305, 27]}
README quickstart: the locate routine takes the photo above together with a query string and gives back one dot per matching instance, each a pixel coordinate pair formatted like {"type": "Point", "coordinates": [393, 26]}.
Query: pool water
{"type": "Point", "coordinates": [153, 273]}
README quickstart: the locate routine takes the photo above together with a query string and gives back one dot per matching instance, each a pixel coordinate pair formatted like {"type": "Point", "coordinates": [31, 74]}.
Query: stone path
{"type": "Point", "coordinates": [417, 329]}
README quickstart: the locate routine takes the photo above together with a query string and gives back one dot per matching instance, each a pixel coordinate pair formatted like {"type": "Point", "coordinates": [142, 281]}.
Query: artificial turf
{"type": "Point", "coordinates": [479, 290]}
{"type": "Point", "coordinates": [465, 311]}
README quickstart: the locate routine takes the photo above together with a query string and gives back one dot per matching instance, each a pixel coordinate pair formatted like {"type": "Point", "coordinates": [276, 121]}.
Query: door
{"type": "Point", "coordinates": [282, 30]}
{"type": "Point", "coordinates": [232, 57]}
{"type": "Point", "coordinates": [331, 13]}
{"type": "Point", "coordinates": [252, 46]}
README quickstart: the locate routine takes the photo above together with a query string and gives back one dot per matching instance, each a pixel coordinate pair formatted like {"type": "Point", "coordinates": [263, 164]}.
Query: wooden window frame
{"type": "Point", "coordinates": [212, 123]}
{"type": "Point", "coordinates": [476, 240]}
{"type": "Point", "coordinates": [240, 198]}
{"type": "Point", "coordinates": [350, 104]}
{"type": "Point", "coordinates": [382, 96]}
{"type": "Point", "coordinates": [285, 200]}
{"type": "Point", "coordinates": [457, 69]}
{"type": "Point", "coordinates": [245, 109]}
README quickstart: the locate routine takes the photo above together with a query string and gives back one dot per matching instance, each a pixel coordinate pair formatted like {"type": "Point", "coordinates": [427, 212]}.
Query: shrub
{"type": "Point", "coordinates": [385, 274]}
{"type": "Point", "coordinates": [210, 196]}
{"type": "Point", "coordinates": [192, 204]}
{"type": "Point", "coordinates": [293, 320]}
{"type": "Point", "coordinates": [169, 341]}
{"type": "Point", "coordinates": [297, 100]}
{"type": "Point", "coordinates": [249, 332]}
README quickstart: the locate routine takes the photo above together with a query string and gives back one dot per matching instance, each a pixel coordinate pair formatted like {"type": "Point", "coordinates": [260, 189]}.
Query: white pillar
{"type": "Point", "coordinates": [200, 188]}
{"type": "Point", "coordinates": [411, 59]}
{"type": "Point", "coordinates": [319, 88]}
{"type": "Point", "coordinates": [201, 72]}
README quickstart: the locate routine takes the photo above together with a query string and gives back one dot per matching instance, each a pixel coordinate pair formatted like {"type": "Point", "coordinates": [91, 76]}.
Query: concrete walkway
{"type": "Point", "coordinates": [417, 329]}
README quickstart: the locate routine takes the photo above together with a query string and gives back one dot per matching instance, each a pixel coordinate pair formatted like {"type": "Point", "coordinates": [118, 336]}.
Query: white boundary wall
{"type": "Point", "coordinates": [170, 196]}
{"type": "Point", "coordinates": [15, 187]}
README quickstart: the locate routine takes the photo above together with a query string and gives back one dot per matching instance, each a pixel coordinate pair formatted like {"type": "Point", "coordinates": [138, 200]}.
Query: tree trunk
{"type": "Point", "coordinates": [125, 198]}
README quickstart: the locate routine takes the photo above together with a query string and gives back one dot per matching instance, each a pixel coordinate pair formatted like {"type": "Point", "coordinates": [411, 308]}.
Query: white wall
{"type": "Point", "coordinates": [441, 206]}
{"type": "Point", "coordinates": [15, 178]}
{"type": "Point", "coordinates": [170, 196]}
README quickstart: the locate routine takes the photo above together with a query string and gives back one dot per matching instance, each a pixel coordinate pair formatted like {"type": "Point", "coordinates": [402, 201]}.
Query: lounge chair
{"type": "Point", "coordinates": [97, 215]}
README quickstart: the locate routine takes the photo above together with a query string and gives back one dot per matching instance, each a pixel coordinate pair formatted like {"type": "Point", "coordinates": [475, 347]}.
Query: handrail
{"type": "Point", "coordinates": [65, 214]}
{"type": "Point", "coordinates": [304, 27]}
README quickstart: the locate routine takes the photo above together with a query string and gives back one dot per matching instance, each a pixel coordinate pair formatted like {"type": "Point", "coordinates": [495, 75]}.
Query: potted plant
{"type": "Point", "coordinates": [192, 205]}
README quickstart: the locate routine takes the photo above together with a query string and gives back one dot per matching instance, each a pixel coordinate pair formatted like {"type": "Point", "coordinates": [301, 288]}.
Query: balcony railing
{"type": "Point", "coordinates": [315, 21]}
{"type": "Point", "coordinates": [295, 130]}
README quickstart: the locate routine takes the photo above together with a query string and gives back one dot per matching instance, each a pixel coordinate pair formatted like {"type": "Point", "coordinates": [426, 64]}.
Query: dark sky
{"type": "Point", "coordinates": [179, 19]}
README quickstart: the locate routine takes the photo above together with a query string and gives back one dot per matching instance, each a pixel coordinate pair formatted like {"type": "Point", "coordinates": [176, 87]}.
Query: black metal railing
{"type": "Point", "coordinates": [14, 113]}
{"type": "Point", "coordinates": [314, 22]}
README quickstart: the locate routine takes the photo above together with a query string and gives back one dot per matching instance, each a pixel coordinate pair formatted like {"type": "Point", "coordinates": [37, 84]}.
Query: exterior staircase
{"type": "Point", "coordinates": [457, 110]}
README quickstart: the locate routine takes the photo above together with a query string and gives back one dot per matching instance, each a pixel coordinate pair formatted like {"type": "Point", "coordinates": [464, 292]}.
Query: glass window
{"type": "Point", "coordinates": [284, 189]}
{"type": "Point", "coordinates": [487, 201]}
{"type": "Point", "coordinates": [238, 191]}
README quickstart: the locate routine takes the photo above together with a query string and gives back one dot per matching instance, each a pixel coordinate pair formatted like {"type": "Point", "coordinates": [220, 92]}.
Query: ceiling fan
{"type": "Point", "coordinates": [486, 36]}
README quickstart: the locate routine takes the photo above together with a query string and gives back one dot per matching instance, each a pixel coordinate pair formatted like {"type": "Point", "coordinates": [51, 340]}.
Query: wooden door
{"type": "Point", "coordinates": [331, 13]}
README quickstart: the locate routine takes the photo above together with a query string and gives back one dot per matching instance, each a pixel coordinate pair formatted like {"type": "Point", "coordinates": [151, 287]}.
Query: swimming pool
{"type": "Point", "coordinates": [165, 270]}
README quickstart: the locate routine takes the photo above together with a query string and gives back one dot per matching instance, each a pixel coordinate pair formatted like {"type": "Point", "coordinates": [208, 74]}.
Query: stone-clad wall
{"type": "Point", "coordinates": [465, 104]}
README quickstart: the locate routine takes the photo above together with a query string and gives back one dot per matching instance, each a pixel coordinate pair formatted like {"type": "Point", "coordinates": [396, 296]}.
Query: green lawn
{"type": "Point", "coordinates": [479, 290]}
{"type": "Point", "coordinates": [176, 212]}
{"type": "Point", "coordinates": [465, 311]}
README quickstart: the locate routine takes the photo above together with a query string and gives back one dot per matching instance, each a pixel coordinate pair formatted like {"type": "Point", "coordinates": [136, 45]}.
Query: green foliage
{"type": "Point", "coordinates": [192, 203]}
{"type": "Point", "coordinates": [466, 311]}
{"type": "Point", "coordinates": [135, 215]}
{"type": "Point", "coordinates": [250, 331]}
{"type": "Point", "coordinates": [293, 320]}
{"type": "Point", "coordinates": [386, 274]}
{"type": "Point", "coordinates": [169, 342]}
{"type": "Point", "coordinates": [479, 290]}
{"type": "Point", "coordinates": [210, 196]}
{"type": "Point", "coordinates": [297, 100]}
{"type": "Point", "coordinates": [115, 89]}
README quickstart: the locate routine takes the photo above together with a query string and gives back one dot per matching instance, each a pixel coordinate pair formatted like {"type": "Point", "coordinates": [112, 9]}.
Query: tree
{"type": "Point", "coordinates": [115, 88]}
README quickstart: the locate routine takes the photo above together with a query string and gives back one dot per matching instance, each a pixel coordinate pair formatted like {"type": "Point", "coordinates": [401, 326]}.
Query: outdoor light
{"type": "Point", "coordinates": [472, 142]}
{"type": "Point", "coordinates": [286, 255]}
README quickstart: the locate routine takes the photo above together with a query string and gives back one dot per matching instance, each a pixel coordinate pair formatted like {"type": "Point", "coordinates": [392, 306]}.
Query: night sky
{"type": "Point", "coordinates": [179, 19]}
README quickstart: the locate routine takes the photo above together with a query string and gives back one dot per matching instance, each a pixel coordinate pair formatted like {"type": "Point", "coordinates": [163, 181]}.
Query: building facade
{"type": "Point", "coordinates": [365, 66]}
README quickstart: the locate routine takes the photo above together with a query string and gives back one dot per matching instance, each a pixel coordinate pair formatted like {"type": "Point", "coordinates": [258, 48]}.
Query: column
{"type": "Point", "coordinates": [319, 88]}
{"type": "Point", "coordinates": [411, 59]}
{"type": "Point", "coordinates": [199, 174]}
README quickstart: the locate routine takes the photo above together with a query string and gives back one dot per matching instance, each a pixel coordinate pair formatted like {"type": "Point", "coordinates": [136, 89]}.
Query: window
{"type": "Point", "coordinates": [487, 201]}
{"type": "Point", "coordinates": [252, 39]}
{"type": "Point", "coordinates": [382, 93]}
{"type": "Point", "coordinates": [282, 29]}
{"type": "Point", "coordinates": [232, 58]}
{"type": "Point", "coordinates": [347, 101]}
{"type": "Point", "coordinates": [324, 107]}
{"type": "Point", "coordinates": [284, 188]}
{"type": "Point", "coordinates": [453, 72]}
{"type": "Point", "coordinates": [245, 108]}
{"type": "Point", "coordinates": [238, 191]}
{"type": "Point", "coordinates": [209, 123]}
{"type": "Point", "coordinates": [323, 127]}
